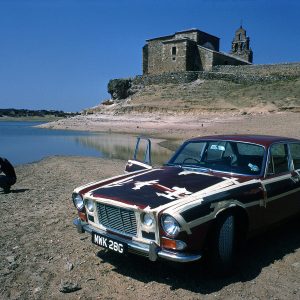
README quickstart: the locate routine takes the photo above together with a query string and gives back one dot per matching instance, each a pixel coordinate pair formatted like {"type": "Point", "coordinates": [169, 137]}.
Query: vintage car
{"type": "Point", "coordinates": [213, 192]}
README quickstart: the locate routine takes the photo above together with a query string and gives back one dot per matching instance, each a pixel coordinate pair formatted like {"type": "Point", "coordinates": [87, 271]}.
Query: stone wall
{"type": "Point", "coordinates": [174, 56]}
{"type": "Point", "coordinates": [185, 77]}
{"type": "Point", "coordinates": [174, 77]}
{"type": "Point", "coordinates": [193, 60]}
{"type": "Point", "coordinates": [281, 70]}
{"type": "Point", "coordinates": [145, 59]}
{"type": "Point", "coordinates": [206, 58]}
{"type": "Point", "coordinates": [154, 57]}
{"type": "Point", "coordinates": [239, 74]}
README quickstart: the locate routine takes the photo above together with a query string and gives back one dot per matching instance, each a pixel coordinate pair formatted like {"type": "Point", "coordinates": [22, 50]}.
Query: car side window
{"type": "Point", "coordinates": [278, 160]}
{"type": "Point", "coordinates": [295, 154]}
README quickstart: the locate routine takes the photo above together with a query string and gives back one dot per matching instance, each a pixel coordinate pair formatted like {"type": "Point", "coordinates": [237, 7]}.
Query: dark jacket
{"type": "Point", "coordinates": [7, 168]}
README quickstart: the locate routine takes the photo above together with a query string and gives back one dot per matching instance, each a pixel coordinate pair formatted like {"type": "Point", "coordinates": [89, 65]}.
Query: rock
{"type": "Point", "coordinates": [69, 287]}
{"type": "Point", "coordinates": [13, 266]}
{"type": "Point", "coordinates": [5, 272]}
{"type": "Point", "coordinates": [108, 102]}
{"type": "Point", "coordinates": [36, 290]}
{"type": "Point", "coordinates": [11, 259]}
{"type": "Point", "coordinates": [69, 266]}
{"type": "Point", "coordinates": [119, 88]}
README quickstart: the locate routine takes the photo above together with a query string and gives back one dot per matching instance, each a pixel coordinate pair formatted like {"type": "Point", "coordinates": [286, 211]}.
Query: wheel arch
{"type": "Point", "coordinates": [221, 245]}
{"type": "Point", "coordinates": [241, 219]}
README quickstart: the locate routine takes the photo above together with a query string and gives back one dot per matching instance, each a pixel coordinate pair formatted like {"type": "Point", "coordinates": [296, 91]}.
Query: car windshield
{"type": "Point", "coordinates": [223, 156]}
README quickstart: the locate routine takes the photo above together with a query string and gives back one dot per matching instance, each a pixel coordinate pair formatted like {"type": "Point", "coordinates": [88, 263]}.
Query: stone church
{"type": "Point", "coordinates": [193, 50]}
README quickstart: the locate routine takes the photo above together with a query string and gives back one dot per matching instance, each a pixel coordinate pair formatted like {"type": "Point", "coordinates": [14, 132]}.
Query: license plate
{"type": "Point", "coordinates": [109, 243]}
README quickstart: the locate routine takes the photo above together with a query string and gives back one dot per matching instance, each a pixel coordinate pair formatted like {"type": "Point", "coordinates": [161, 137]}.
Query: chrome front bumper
{"type": "Point", "coordinates": [152, 251]}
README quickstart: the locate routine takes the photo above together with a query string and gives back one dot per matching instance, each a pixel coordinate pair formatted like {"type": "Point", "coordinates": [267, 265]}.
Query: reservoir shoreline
{"type": "Point", "coordinates": [181, 127]}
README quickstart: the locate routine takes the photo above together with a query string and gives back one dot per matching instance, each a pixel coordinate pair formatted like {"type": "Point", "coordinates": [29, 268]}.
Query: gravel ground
{"type": "Point", "coordinates": [42, 254]}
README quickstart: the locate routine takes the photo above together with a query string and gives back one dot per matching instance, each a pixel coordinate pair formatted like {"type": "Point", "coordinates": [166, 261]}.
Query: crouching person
{"type": "Point", "coordinates": [9, 178]}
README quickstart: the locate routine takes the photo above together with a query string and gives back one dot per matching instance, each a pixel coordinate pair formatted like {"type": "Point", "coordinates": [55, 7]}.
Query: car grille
{"type": "Point", "coordinates": [119, 219]}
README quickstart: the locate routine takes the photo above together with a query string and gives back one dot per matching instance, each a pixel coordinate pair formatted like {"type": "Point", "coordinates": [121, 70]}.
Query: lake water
{"type": "Point", "coordinates": [21, 143]}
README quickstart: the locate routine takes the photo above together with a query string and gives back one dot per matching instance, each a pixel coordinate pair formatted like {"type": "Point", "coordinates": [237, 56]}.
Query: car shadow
{"type": "Point", "coordinates": [14, 191]}
{"type": "Point", "coordinates": [257, 254]}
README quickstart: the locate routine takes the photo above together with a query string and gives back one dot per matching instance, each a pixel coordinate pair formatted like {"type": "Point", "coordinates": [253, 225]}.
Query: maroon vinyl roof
{"type": "Point", "coordinates": [265, 140]}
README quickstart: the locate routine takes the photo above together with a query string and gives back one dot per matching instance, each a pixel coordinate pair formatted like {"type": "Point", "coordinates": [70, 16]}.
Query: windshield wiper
{"type": "Point", "coordinates": [198, 168]}
{"type": "Point", "coordinates": [173, 165]}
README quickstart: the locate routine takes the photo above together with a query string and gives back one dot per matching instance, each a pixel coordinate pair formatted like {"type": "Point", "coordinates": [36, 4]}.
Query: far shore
{"type": "Point", "coordinates": [185, 126]}
{"type": "Point", "coordinates": [30, 119]}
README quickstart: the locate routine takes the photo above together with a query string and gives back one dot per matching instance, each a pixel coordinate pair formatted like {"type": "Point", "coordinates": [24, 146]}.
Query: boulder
{"type": "Point", "coordinates": [119, 88]}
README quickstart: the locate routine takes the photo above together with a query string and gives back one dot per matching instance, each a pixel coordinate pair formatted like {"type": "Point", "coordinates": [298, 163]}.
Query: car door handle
{"type": "Point", "coordinates": [295, 178]}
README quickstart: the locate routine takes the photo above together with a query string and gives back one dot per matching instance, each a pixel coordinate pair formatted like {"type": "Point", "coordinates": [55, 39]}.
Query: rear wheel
{"type": "Point", "coordinates": [223, 244]}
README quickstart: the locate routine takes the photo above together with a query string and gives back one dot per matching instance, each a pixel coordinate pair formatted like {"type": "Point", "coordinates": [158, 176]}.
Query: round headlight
{"type": "Point", "coordinates": [90, 205]}
{"type": "Point", "coordinates": [78, 201]}
{"type": "Point", "coordinates": [170, 226]}
{"type": "Point", "coordinates": [148, 219]}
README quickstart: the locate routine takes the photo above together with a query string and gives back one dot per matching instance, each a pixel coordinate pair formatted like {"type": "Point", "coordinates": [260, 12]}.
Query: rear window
{"type": "Point", "coordinates": [278, 160]}
{"type": "Point", "coordinates": [295, 153]}
{"type": "Point", "coordinates": [250, 149]}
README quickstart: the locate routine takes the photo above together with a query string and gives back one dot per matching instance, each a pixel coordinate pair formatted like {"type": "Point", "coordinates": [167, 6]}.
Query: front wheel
{"type": "Point", "coordinates": [223, 244]}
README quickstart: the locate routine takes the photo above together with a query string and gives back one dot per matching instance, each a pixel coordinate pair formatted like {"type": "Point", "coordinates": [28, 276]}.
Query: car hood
{"type": "Point", "coordinates": [156, 187]}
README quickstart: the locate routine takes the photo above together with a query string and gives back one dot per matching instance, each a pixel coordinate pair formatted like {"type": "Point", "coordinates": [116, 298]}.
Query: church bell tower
{"type": "Point", "coordinates": [241, 45]}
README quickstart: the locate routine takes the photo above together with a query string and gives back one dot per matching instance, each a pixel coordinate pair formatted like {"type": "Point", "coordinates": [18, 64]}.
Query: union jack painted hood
{"type": "Point", "coordinates": [155, 187]}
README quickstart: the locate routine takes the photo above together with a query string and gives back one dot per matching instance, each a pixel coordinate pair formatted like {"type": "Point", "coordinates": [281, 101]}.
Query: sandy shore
{"type": "Point", "coordinates": [40, 249]}
{"type": "Point", "coordinates": [182, 127]}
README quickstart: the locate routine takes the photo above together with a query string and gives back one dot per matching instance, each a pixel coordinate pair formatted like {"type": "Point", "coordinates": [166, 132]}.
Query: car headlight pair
{"type": "Point", "coordinates": [79, 203]}
{"type": "Point", "coordinates": [169, 224]}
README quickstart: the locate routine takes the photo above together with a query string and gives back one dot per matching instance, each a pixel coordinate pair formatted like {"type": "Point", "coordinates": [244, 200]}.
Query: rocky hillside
{"type": "Point", "coordinates": [243, 89]}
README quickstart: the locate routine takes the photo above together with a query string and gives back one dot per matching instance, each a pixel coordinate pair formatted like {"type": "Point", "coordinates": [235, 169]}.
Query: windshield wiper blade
{"type": "Point", "coordinates": [173, 165]}
{"type": "Point", "coordinates": [198, 168]}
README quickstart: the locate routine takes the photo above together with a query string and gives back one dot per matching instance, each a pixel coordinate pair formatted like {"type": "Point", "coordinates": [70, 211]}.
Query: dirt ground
{"type": "Point", "coordinates": [41, 250]}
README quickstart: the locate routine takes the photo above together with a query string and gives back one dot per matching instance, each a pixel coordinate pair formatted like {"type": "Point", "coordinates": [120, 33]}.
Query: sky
{"type": "Point", "coordinates": [60, 54]}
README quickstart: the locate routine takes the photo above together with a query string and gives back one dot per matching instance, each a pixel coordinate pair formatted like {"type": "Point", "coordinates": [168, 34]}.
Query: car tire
{"type": "Point", "coordinates": [223, 244]}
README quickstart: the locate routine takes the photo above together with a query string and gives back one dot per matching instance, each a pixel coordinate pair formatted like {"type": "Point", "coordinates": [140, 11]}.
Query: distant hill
{"type": "Point", "coordinates": [244, 89]}
{"type": "Point", "coordinates": [27, 113]}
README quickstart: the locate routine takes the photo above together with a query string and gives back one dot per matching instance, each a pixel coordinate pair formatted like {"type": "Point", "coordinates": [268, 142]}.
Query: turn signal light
{"type": "Point", "coordinates": [82, 216]}
{"type": "Point", "coordinates": [172, 244]}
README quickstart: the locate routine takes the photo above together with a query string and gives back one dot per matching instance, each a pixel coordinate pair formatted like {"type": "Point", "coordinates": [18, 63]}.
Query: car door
{"type": "Point", "coordinates": [142, 156]}
{"type": "Point", "coordinates": [294, 149]}
{"type": "Point", "coordinates": [281, 184]}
